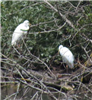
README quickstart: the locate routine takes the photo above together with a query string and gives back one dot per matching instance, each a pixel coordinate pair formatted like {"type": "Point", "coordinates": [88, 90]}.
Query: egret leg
{"type": "Point", "coordinates": [67, 68]}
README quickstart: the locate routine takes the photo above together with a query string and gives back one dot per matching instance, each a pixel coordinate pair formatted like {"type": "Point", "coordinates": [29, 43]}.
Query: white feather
{"type": "Point", "coordinates": [67, 56]}
{"type": "Point", "coordinates": [20, 30]}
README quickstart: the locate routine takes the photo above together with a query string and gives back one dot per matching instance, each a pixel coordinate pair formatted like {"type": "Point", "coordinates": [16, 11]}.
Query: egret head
{"type": "Point", "coordinates": [59, 48]}
{"type": "Point", "coordinates": [26, 23]}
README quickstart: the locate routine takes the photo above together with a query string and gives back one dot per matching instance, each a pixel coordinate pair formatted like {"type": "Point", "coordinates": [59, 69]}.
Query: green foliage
{"type": "Point", "coordinates": [41, 43]}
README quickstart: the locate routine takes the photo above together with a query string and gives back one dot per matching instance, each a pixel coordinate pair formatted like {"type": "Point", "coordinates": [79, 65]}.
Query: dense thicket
{"type": "Point", "coordinates": [52, 23]}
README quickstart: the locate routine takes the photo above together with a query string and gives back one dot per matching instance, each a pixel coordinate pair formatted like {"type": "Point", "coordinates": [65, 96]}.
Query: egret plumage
{"type": "Point", "coordinates": [19, 31]}
{"type": "Point", "coordinates": [67, 56]}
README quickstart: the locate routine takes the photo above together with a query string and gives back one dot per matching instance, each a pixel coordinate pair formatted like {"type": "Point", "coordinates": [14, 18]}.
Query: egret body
{"type": "Point", "coordinates": [67, 56]}
{"type": "Point", "coordinates": [19, 31]}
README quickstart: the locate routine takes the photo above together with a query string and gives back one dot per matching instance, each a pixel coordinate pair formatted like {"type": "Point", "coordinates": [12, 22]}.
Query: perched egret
{"type": "Point", "coordinates": [67, 56]}
{"type": "Point", "coordinates": [20, 30]}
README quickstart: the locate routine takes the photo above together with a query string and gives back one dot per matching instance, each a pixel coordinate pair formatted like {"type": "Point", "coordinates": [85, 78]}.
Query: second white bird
{"type": "Point", "coordinates": [67, 56]}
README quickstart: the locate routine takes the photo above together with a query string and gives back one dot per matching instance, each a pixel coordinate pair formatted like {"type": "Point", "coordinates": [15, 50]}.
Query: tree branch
{"type": "Point", "coordinates": [63, 16]}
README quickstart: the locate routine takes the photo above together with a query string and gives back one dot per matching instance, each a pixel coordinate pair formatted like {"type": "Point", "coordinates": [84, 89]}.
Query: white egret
{"type": "Point", "coordinates": [67, 56]}
{"type": "Point", "coordinates": [18, 33]}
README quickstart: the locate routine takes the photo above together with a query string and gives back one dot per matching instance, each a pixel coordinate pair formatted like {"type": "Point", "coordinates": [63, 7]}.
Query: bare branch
{"type": "Point", "coordinates": [48, 30]}
{"type": "Point", "coordinates": [78, 4]}
{"type": "Point", "coordinates": [64, 17]}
